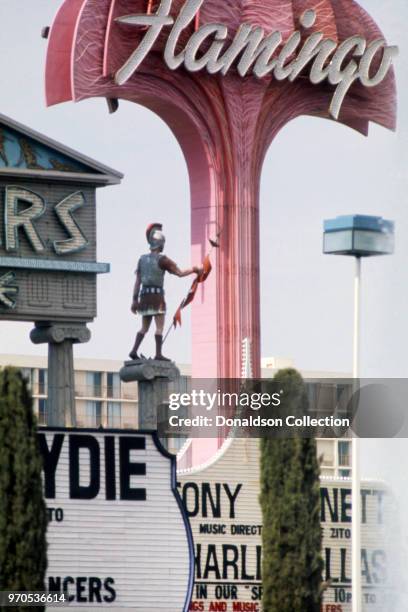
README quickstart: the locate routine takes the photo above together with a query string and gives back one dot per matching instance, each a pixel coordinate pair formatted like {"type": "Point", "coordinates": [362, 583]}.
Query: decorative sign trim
{"type": "Point", "coordinates": [96, 173]}
{"type": "Point", "coordinates": [51, 265]}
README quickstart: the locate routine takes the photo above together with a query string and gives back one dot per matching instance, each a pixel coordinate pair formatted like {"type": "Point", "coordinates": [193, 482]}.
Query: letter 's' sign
{"type": "Point", "coordinates": [118, 535]}
{"type": "Point", "coordinates": [253, 51]}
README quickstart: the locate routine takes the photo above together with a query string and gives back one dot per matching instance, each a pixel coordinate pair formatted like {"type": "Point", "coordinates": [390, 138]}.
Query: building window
{"type": "Point", "coordinates": [93, 414]}
{"type": "Point", "coordinates": [42, 411]}
{"type": "Point", "coordinates": [113, 385]}
{"type": "Point", "coordinates": [114, 415]}
{"type": "Point", "coordinates": [94, 384]}
{"type": "Point", "coordinates": [344, 394]}
{"type": "Point", "coordinates": [42, 381]}
{"type": "Point", "coordinates": [340, 390]}
{"type": "Point", "coordinates": [345, 473]}
{"type": "Point", "coordinates": [344, 454]}
{"type": "Point", "coordinates": [312, 396]}
{"type": "Point", "coordinates": [325, 452]}
{"type": "Point", "coordinates": [27, 374]}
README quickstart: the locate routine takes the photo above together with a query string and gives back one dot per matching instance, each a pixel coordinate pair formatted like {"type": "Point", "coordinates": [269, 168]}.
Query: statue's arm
{"type": "Point", "coordinates": [171, 267]}
{"type": "Point", "coordinates": [188, 272]}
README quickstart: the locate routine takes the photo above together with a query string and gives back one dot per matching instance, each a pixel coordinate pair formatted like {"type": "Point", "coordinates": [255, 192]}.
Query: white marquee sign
{"type": "Point", "coordinates": [222, 502]}
{"type": "Point", "coordinates": [118, 536]}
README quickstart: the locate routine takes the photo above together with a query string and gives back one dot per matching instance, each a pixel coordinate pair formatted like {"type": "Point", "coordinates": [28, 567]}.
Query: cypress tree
{"type": "Point", "coordinates": [23, 515]}
{"type": "Point", "coordinates": [290, 501]}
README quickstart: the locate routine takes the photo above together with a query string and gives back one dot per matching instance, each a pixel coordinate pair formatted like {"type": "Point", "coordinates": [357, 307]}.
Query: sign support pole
{"type": "Point", "coordinates": [61, 385]}
{"type": "Point", "coordinates": [356, 476]}
{"type": "Point", "coordinates": [61, 379]}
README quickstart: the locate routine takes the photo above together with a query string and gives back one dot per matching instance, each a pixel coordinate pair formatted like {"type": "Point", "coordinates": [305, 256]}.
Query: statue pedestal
{"type": "Point", "coordinates": [153, 378]}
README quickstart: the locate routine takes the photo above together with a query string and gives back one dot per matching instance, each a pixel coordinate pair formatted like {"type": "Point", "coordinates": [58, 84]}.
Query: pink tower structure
{"type": "Point", "coordinates": [224, 125]}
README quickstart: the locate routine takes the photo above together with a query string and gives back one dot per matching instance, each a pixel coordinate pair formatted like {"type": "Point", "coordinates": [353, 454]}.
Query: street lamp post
{"type": "Point", "coordinates": [357, 236]}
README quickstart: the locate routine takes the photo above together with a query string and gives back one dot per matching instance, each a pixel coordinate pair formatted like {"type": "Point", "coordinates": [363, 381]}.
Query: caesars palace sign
{"type": "Point", "coordinates": [254, 51]}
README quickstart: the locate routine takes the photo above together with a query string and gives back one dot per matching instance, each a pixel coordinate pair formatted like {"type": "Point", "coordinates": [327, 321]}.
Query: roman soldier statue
{"type": "Point", "coordinates": [148, 295]}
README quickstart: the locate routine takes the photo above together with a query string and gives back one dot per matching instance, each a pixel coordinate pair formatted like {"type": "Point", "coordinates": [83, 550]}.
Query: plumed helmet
{"type": "Point", "coordinates": [155, 236]}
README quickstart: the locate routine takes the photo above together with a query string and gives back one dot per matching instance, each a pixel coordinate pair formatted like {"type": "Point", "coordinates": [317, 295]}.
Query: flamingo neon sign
{"type": "Point", "coordinates": [252, 51]}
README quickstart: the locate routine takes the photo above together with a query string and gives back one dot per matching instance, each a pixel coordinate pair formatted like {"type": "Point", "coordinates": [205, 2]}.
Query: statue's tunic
{"type": "Point", "coordinates": [152, 268]}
